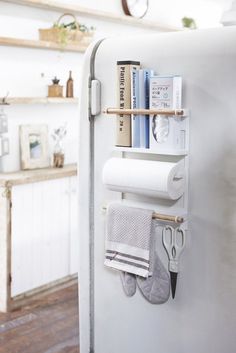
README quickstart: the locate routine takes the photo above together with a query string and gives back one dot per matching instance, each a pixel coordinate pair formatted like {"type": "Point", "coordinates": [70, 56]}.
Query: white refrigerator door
{"type": "Point", "coordinates": [202, 318]}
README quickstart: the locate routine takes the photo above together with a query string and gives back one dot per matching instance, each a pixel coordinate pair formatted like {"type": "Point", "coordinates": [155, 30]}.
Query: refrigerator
{"type": "Point", "coordinates": [202, 317]}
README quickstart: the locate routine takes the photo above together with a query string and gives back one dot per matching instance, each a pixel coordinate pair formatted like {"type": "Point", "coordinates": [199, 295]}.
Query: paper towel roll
{"type": "Point", "coordinates": [150, 178]}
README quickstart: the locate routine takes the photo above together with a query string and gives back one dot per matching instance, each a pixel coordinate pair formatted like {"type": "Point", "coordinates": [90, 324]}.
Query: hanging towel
{"type": "Point", "coordinates": [128, 239]}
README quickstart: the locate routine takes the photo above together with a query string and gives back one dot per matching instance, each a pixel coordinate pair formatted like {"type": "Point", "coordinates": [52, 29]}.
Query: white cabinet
{"type": "Point", "coordinates": [73, 221]}
{"type": "Point", "coordinates": [42, 238]}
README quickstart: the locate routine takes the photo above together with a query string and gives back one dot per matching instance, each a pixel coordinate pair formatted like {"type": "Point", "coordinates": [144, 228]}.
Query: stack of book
{"type": "Point", "coordinates": [141, 88]}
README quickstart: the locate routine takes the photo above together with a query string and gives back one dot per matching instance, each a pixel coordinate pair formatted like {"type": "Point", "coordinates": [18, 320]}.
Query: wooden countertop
{"type": "Point", "coordinates": [31, 176]}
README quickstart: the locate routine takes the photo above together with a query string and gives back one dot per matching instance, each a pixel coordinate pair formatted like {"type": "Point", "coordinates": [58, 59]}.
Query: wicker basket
{"type": "Point", "coordinates": [87, 37]}
{"type": "Point", "coordinates": [62, 35]}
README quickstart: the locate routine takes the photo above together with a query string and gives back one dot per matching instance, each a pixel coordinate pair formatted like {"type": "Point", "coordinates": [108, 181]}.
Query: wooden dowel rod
{"type": "Point", "coordinates": [164, 217]}
{"type": "Point", "coordinates": [171, 112]}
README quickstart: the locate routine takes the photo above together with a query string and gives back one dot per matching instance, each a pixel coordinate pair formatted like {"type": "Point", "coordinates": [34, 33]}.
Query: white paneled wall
{"type": "Point", "coordinates": [44, 233]}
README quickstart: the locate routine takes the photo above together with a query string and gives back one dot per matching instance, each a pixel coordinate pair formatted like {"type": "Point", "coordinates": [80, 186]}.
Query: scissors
{"type": "Point", "coordinates": [173, 248]}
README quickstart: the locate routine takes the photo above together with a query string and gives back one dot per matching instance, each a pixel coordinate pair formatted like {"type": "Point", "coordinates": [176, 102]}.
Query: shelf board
{"type": "Point", "coordinates": [39, 44]}
{"type": "Point", "coordinates": [36, 175]}
{"type": "Point", "coordinates": [100, 15]}
{"type": "Point", "coordinates": [149, 151]}
{"type": "Point", "coordinates": [39, 100]}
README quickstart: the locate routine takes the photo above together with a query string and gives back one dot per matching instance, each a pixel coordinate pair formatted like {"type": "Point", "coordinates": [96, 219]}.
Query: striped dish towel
{"type": "Point", "coordinates": [128, 238]}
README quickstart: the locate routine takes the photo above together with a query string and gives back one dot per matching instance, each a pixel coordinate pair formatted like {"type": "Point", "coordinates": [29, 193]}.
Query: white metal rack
{"type": "Point", "coordinates": [170, 211]}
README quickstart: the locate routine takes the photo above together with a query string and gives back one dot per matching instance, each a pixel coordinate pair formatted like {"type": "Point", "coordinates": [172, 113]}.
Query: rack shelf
{"type": "Point", "coordinates": [149, 151]}
{"type": "Point", "coordinates": [177, 150]}
{"type": "Point", "coordinates": [40, 100]}
{"type": "Point", "coordinates": [100, 15]}
{"type": "Point", "coordinates": [39, 44]}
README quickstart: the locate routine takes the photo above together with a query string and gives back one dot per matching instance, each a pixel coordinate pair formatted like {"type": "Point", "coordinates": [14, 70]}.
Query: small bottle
{"type": "Point", "coordinates": [69, 86]}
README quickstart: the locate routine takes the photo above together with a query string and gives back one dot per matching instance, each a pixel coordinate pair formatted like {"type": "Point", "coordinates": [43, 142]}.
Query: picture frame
{"type": "Point", "coordinates": [34, 146]}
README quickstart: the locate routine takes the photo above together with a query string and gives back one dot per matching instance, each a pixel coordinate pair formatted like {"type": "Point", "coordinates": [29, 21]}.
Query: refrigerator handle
{"type": "Point", "coordinates": [95, 97]}
{"type": "Point", "coordinates": [94, 86]}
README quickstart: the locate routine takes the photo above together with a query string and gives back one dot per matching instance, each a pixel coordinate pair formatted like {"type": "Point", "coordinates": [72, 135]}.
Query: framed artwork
{"type": "Point", "coordinates": [34, 147]}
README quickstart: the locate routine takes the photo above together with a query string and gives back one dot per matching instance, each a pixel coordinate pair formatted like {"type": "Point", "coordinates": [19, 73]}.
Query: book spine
{"type": "Point", "coordinates": [147, 76]}
{"type": "Point", "coordinates": [144, 103]}
{"type": "Point", "coordinates": [123, 131]}
{"type": "Point", "coordinates": [135, 120]}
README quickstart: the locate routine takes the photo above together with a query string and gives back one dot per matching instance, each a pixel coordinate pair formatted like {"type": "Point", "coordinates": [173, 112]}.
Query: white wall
{"type": "Point", "coordinates": [207, 13]}
{"type": "Point", "coordinates": [21, 75]}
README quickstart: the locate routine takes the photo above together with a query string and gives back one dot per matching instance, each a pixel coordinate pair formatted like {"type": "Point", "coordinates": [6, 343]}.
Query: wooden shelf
{"type": "Point", "coordinates": [36, 175]}
{"type": "Point", "coordinates": [39, 44]}
{"type": "Point", "coordinates": [100, 15]}
{"type": "Point", "coordinates": [39, 100]}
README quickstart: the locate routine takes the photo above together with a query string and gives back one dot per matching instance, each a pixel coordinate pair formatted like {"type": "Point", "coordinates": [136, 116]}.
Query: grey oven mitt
{"type": "Point", "coordinates": [155, 288]}
{"type": "Point", "coordinates": [128, 281]}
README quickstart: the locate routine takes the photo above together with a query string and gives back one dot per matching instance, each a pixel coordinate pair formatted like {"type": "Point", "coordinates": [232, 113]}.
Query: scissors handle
{"type": "Point", "coordinates": [172, 247]}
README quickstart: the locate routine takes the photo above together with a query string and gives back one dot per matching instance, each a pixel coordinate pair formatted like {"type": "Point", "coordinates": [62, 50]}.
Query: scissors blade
{"type": "Point", "coordinates": [173, 282]}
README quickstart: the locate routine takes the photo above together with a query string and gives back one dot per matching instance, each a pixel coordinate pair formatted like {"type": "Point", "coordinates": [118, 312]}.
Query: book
{"type": "Point", "coordinates": [123, 125]}
{"type": "Point", "coordinates": [135, 119]}
{"type": "Point", "coordinates": [144, 87]}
